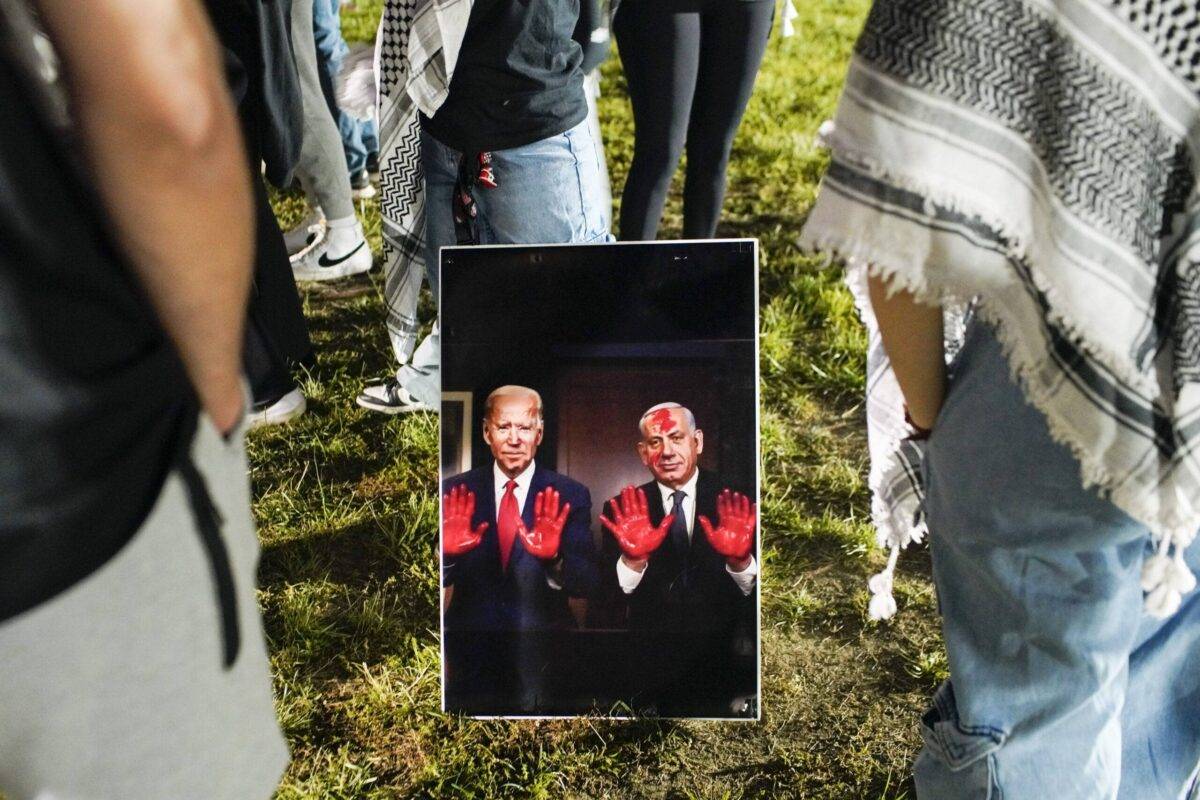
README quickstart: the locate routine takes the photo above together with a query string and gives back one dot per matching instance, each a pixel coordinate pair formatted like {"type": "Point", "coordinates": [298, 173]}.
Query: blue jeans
{"type": "Point", "coordinates": [549, 192]}
{"type": "Point", "coordinates": [359, 137]}
{"type": "Point", "coordinates": [1060, 686]}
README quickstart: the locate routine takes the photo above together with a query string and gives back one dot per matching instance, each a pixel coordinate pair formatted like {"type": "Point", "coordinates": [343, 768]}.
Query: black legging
{"type": "Point", "coordinates": [690, 65]}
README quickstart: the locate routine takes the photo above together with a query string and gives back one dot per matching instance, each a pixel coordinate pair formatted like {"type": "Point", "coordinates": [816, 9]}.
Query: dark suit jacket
{"type": "Point", "coordinates": [693, 634]}
{"type": "Point", "coordinates": [487, 598]}
{"type": "Point", "coordinates": [677, 594]}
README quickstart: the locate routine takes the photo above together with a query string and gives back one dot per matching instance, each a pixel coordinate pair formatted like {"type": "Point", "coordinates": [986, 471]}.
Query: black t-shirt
{"type": "Point", "coordinates": [518, 77]}
{"type": "Point", "coordinates": [94, 402]}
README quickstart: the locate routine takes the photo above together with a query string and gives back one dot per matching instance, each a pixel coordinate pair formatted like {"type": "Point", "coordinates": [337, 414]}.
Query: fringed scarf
{"type": "Point", "coordinates": [1035, 158]}
{"type": "Point", "coordinates": [416, 51]}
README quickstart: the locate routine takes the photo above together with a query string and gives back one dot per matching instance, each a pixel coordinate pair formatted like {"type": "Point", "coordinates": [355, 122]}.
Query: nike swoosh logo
{"type": "Point", "coordinates": [325, 261]}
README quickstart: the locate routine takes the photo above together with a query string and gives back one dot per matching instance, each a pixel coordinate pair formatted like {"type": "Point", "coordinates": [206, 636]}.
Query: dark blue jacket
{"type": "Point", "coordinates": [487, 598]}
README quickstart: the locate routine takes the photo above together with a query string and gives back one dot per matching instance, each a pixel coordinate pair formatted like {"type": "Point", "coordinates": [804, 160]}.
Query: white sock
{"type": "Point", "coordinates": [342, 236]}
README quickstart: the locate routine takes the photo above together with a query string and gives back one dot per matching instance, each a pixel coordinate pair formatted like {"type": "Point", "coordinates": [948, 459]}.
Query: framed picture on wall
{"type": "Point", "coordinates": [456, 421]}
{"type": "Point", "coordinates": [599, 511]}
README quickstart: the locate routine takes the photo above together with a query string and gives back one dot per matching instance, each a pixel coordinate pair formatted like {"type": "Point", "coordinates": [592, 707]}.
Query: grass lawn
{"type": "Point", "coordinates": [347, 511]}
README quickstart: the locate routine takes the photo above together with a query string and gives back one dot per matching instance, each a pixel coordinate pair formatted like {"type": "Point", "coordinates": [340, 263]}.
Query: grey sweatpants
{"type": "Point", "coordinates": [116, 689]}
{"type": "Point", "coordinates": [322, 165]}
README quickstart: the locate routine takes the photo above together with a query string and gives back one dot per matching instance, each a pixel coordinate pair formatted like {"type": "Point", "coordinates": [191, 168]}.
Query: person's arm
{"type": "Point", "coordinates": [592, 34]}
{"type": "Point", "coordinates": [161, 138]}
{"type": "Point", "coordinates": [912, 338]}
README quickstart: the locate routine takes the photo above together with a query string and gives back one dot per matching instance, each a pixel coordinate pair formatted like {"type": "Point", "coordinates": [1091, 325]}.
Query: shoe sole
{"type": "Point", "coordinates": [371, 404]}
{"type": "Point", "coordinates": [351, 266]}
{"type": "Point", "coordinates": [365, 193]}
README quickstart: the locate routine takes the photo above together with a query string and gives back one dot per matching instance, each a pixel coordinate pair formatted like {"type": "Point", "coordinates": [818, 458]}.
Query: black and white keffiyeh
{"type": "Point", "coordinates": [416, 51]}
{"type": "Point", "coordinates": [1036, 158]}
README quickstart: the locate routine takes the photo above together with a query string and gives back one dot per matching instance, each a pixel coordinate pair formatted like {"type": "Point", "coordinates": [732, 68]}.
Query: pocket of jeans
{"type": "Point", "coordinates": [964, 754]}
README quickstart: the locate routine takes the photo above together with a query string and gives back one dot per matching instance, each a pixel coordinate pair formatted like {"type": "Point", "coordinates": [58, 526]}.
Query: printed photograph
{"type": "Point", "coordinates": [601, 554]}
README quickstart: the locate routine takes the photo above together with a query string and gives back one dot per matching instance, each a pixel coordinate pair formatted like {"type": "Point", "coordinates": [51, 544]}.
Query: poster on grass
{"type": "Point", "coordinates": [599, 480]}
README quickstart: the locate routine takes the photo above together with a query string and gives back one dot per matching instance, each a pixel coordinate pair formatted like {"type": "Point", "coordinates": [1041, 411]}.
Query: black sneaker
{"type": "Point", "coordinates": [390, 397]}
{"type": "Point", "coordinates": [373, 167]}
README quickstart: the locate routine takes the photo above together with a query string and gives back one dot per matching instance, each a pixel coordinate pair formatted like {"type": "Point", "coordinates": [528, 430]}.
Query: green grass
{"type": "Point", "coordinates": [346, 505]}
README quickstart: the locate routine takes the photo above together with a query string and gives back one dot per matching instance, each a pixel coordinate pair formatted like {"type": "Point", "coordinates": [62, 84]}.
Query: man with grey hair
{"type": "Point", "coordinates": [692, 596]}
{"type": "Point", "coordinates": [517, 561]}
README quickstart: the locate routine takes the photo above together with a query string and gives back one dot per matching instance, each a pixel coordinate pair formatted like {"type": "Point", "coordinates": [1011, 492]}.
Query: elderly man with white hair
{"type": "Point", "coordinates": [517, 559]}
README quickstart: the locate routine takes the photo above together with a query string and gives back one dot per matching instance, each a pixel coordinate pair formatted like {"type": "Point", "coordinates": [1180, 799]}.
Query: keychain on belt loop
{"type": "Point", "coordinates": [471, 172]}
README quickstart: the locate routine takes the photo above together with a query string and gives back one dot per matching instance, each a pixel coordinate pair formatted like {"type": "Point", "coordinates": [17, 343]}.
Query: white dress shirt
{"type": "Point", "coordinates": [630, 578]}
{"type": "Point", "coordinates": [521, 491]}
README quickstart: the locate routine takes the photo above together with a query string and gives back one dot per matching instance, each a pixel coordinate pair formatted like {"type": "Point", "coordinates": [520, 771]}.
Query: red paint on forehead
{"type": "Point", "coordinates": [662, 419]}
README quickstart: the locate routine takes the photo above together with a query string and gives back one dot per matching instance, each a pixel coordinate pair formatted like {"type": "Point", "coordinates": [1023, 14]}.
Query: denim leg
{"type": "Point", "coordinates": [1038, 581]}
{"type": "Point", "coordinates": [1160, 723]}
{"type": "Point", "coordinates": [550, 191]}
{"type": "Point", "coordinates": [331, 52]}
{"type": "Point", "coordinates": [421, 376]}
{"type": "Point", "coordinates": [370, 135]}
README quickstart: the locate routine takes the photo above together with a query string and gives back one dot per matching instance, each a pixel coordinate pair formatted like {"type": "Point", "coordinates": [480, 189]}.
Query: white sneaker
{"type": "Point", "coordinates": [316, 264]}
{"type": "Point", "coordinates": [285, 409]}
{"type": "Point", "coordinates": [390, 397]}
{"type": "Point", "coordinates": [309, 232]}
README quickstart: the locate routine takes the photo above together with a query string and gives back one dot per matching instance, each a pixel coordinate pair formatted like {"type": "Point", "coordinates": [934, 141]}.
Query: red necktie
{"type": "Point", "coordinates": [507, 521]}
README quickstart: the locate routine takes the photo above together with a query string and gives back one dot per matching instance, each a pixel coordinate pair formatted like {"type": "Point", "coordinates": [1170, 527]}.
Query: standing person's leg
{"type": "Point", "coordinates": [591, 87]}
{"type": "Point", "coordinates": [417, 385]}
{"type": "Point", "coordinates": [659, 52]}
{"type": "Point", "coordinates": [276, 332]}
{"type": "Point", "coordinates": [321, 167]}
{"type": "Point", "coordinates": [1038, 580]}
{"type": "Point", "coordinates": [421, 377]}
{"type": "Point", "coordinates": [1160, 723]}
{"type": "Point", "coordinates": [331, 51]}
{"type": "Point", "coordinates": [550, 191]}
{"type": "Point", "coordinates": [733, 40]}
{"type": "Point", "coordinates": [117, 688]}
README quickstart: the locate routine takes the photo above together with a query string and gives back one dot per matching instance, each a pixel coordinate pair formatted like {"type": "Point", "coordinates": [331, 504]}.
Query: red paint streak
{"type": "Point", "coordinates": [662, 418]}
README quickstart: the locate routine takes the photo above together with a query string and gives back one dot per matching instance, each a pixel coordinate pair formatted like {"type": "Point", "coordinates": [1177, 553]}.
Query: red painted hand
{"type": "Point", "coordinates": [548, 523]}
{"type": "Point", "coordinates": [734, 537]}
{"type": "Point", "coordinates": [457, 509]}
{"type": "Point", "coordinates": [631, 526]}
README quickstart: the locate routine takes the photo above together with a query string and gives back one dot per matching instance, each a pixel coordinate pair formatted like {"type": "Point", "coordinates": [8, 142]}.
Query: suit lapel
{"type": "Point", "coordinates": [485, 511]}
{"type": "Point", "coordinates": [539, 482]}
{"type": "Point", "coordinates": [706, 504]}
{"type": "Point", "coordinates": [654, 502]}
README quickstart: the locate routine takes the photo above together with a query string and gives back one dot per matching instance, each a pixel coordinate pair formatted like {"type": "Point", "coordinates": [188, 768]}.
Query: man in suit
{"type": "Point", "coordinates": [518, 563]}
{"type": "Point", "coordinates": [687, 572]}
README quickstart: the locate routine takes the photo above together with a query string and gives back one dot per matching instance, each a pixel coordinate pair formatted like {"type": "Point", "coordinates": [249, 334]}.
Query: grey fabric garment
{"type": "Point", "coordinates": [322, 165]}
{"type": "Point", "coordinates": [116, 690]}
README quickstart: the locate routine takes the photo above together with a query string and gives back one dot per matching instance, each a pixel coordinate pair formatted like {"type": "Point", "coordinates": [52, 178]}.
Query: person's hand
{"type": "Point", "coordinates": [225, 405]}
{"type": "Point", "coordinates": [457, 509]}
{"type": "Point", "coordinates": [734, 535]}
{"type": "Point", "coordinates": [548, 523]}
{"type": "Point", "coordinates": [631, 526]}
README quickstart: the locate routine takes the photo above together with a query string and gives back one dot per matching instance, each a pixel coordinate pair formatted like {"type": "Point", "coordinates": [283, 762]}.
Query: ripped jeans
{"type": "Point", "coordinates": [1060, 686]}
